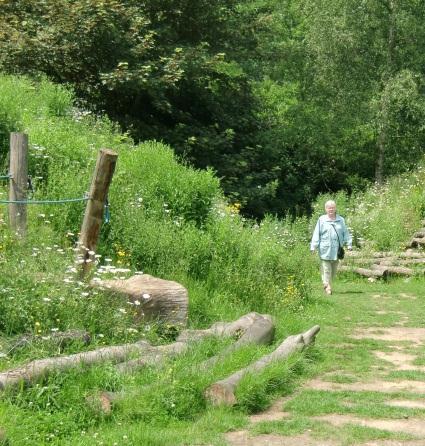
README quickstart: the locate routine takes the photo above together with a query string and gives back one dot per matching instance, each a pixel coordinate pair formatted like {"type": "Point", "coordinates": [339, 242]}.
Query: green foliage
{"type": "Point", "coordinates": [384, 217]}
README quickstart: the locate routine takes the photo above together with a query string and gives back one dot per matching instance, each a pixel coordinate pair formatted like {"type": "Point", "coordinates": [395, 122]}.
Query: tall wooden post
{"type": "Point", "coordinates": [92, 222]}
{"type": "Point", "coordinates": [18, 184]}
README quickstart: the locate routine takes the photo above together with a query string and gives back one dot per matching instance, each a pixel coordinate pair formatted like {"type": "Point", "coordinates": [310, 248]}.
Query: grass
{"type": "Point", "coordinates": [173, 222]}
{"type": "Point", "coordinates": [346, 435]}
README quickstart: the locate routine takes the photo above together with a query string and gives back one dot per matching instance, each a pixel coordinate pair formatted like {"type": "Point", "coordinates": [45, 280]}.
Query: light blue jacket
{"type": "Point", "coordinates": [325, 238]}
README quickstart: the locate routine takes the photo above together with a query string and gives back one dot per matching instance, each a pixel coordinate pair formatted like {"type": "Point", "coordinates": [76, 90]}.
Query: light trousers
{"type": "Point", "coordinates": [328, 270]}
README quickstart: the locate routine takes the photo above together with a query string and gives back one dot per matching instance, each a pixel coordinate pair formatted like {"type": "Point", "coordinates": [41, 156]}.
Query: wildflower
{"type": "Point", "coordinates": [137, 302]}
{"type": "Point", "coordinates": [122, 310]}
{"type": "Point", "coordinates": [46, 299]}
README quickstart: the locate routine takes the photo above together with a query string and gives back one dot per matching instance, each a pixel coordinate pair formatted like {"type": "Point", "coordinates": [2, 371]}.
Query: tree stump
{"type": "Point", "coordinates": [153, 298]}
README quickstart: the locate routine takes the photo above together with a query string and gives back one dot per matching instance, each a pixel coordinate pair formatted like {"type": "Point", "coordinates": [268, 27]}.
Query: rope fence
{"type": "Point", "coordinates": [5, 177]}
{"type": "Point", "coordinates": [65, 200]}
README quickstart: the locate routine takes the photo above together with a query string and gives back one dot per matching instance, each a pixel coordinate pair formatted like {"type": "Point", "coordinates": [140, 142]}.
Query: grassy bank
{"type": "Point", "coordinates": [170, 221]}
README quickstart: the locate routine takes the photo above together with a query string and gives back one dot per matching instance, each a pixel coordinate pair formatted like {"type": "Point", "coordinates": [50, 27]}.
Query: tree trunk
{"type": "Point", "coordinates": [223, 392]}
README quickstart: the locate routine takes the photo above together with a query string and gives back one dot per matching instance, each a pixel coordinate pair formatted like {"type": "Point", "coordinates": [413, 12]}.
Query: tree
{"type": "Point", "coordinates": [368, 64]}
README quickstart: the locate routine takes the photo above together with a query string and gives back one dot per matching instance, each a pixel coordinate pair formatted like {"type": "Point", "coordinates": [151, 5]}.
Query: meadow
{"type": "Point", "coordinates": [171, 221]}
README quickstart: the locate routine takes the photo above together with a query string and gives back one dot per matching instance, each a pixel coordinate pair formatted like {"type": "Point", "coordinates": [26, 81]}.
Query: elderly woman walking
{"type": "Point", "coordinates": [329, 234]}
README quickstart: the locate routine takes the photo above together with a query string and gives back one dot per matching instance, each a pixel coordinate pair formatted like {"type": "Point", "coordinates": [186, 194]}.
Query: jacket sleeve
{"type": "Point", "coordinates": [316, 236]}
{"type": "Point", "coordinates": [346, 235]}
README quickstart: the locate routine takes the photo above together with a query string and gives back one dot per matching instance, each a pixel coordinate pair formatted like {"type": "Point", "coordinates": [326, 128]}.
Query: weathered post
{"type": "Point", "coordinates": [92, 222]}
{"type": "Point", "coordinates": [18, 183]}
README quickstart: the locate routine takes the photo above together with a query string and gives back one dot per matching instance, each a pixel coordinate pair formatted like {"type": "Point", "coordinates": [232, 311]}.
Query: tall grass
{"type": "Point", "coordinates": [166, 218]}
{"type": "Point", "coordinates": [383, 217]}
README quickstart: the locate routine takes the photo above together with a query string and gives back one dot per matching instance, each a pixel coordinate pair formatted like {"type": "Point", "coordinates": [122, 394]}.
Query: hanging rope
{"type": "Point", "coordinates": [107, 217]}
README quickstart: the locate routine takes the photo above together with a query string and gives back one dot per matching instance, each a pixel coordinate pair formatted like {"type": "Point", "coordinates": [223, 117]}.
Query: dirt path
{"type": "Point", "coordinates": [371, 388]}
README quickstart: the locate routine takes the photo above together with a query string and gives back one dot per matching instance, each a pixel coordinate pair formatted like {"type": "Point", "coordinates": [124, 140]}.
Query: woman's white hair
{"type": "Point", "coordinates": [330, 203]}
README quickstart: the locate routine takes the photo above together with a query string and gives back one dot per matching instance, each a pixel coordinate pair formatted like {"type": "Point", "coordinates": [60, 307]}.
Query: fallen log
{"type": "Point", "coordinates": [120, 353]}
{"type": "Point", "coordinates": [373, 273]}
{"type": "Point", "coordinates": [417, 242]}
{"type": "Point", "coordinates": [253, 328]}
{"type": "Point", "coordinates": [394, 270]}
{"type": "Point", "coordinates": [41, 367]}
{"type": "Point", "coordinates": [61, 338]}
{"type": "Point", "coordinates": [261, 332]}
{"type": "Point", "coordinates": [223, 391]}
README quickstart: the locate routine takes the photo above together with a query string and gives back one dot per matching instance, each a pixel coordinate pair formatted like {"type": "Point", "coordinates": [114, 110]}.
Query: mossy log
{"type": "Point", "coordinates": [223, 392]}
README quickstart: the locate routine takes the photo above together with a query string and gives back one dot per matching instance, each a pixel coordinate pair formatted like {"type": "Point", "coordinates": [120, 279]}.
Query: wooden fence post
{"type": "Point", "coordinates": [92, 222]}
{"type": "Point", "coordinates": [18, 184]}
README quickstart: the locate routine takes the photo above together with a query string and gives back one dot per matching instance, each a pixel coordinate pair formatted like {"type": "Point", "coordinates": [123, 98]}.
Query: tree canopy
{"type": "Point", "coordinates": [284, 100]}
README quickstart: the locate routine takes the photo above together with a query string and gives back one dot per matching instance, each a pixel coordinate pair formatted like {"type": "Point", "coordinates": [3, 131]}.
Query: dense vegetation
{"type": "Point", "coordinates": [171, 221]}
{"type": "Point", "coordinates": [219, 111]}
{"type": "Point", "coordinates": [283, 100]}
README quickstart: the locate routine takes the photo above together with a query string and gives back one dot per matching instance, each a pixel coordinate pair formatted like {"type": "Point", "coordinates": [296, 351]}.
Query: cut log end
{"type": "Point", "coordinates": [220, 394]}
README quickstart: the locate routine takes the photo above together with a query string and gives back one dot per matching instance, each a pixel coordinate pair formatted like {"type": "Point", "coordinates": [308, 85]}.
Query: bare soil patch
{"type": "Point", "coordinates": [274, 413]}
{"type": "Point", "coordinates": [242, 438]}
{"type": "Point", "coordinates": [407, 403]}
{"type": "Point", "coordinates": [413, 335]}
{"type": "Point", "coordinates": [400, 360]}
{"type": "Point", "coordinates": [412, 426]}
{"type": "Point", "coordinates": [372, 386]}
{"type": "Point", "coordinates": [394, 443]}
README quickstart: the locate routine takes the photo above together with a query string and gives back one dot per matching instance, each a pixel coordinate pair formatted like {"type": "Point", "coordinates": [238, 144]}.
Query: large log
{"type": "Point", "coordinates": [60, 338]}
{"type": "Point", "coordinates": [223, 392]}
{"type": "Point", "coordinates": [417, 242]}
{"type": "Point", "coordinates": [41, 367]}
{"type": "Point", "coordinates": [153, 298]}
{"type": "Point", "coordinates": [393, 270]}
{"type": "Point", "coordinates": [372, 273]}
{"type": "Point", "coordinates": [252, 328]}
{"type": "Point", "coordinates": [261, 332]}
{"type": "Point", "coordinates": [235, 328]}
